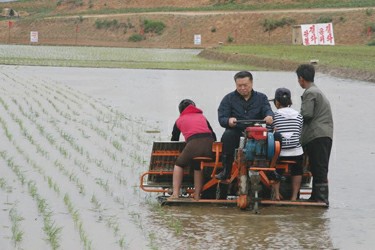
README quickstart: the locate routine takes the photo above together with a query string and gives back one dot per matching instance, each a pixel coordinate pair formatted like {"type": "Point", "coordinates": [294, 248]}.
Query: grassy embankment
{"type": "Point", "coordinates": [355, 62]}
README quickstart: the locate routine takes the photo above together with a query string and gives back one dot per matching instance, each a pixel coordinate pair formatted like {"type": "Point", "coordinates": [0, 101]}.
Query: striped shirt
{"type": "Point", "coordinates": [289, 122]}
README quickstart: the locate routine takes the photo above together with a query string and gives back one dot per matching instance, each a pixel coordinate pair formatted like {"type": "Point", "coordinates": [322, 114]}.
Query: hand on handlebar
{"type": "Point", "coordinates": [268, 119]}
{"type": "Point", "coordinates": [232, 122]}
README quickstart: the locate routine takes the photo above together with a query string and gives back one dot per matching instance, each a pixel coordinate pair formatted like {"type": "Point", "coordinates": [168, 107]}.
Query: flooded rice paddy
{"type": "Point", "coordinates": [74, 142]}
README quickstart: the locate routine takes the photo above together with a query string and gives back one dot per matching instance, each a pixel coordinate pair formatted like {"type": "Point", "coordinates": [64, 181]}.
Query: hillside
{"type": "Point", "coordinates": [109, 23]}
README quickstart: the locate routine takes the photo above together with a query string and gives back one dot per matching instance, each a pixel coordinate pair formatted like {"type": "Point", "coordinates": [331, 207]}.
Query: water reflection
{"type": "Point", "coordinates": [229, 228]}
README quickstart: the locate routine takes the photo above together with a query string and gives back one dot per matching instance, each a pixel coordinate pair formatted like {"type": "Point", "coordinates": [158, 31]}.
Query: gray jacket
{"type": "Point", "coordinates": [317, 115]}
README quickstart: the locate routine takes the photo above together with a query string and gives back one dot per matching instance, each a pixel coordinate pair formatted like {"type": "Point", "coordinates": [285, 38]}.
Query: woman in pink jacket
{"type": "Point", "coordinates": [199, 137]}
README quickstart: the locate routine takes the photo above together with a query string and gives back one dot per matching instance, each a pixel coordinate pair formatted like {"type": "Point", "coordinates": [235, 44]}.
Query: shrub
{"type": "Point", "coordinates": [372, 43]}
{"type": "Point", "coordinates": [369, 12]}
{"type": "Point", "coordinates": [136, 38]}
{"type": "Point", "coordinates": [99, 24]}
{"type": "Point", "coordinates": [213, 29]}
{"type": "Point", "coordinates": [230, 39]}
{"type": "Point", "coordinates": [271, 24]}
{"type": "Point", "coordinates": [151, 26]}
{"type": "Point", "coordinates": [324, 19]}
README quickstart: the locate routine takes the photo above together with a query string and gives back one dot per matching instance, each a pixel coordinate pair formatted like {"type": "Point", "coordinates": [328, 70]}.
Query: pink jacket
{"type": "Point", "coordinates": [192, 121]}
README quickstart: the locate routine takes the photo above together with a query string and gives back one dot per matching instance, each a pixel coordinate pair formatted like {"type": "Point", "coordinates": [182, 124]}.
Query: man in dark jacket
{"type": "Point", "coordinates": [242, 104]}
{"type": "Point", "coordinates": [317, 132]}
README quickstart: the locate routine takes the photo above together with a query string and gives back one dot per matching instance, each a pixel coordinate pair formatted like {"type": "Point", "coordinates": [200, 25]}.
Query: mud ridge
{"type": "Point", "coordinates": [285, 65]}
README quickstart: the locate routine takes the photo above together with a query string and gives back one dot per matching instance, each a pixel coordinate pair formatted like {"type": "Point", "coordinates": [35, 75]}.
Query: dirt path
{"type": "Point", "coordinates": [206, 13]}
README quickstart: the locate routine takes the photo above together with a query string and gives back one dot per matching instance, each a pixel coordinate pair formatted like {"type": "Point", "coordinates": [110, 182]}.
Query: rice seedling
{"type": "Point", "coordinates": [17, 233]}
{"type": "Point", "coordinates": [77, 221]}
{"type": "Point", "coordinates": [5, 128]}
{"type": "Point", "coordinates": [113, 156]}
{"type": "Point", "coordinates": [64, 152]}
{"type": "Point", "coordinates": [53, 233]}
{"type": "Point", "coordinates": [4, 104]}
{"type": "Point", "coordinates": [117, 145]}
{"type": "Point", "coordinates": [51, 230]}
{"type": "Point", "coordinates": [103, 184]}
{"type": "Point", "coordinates": [53, 185]}
{"type": "Point", "coordinates": [122, 243]}
{"type": "Point", "coordinates": [82, 166]}
{"type": "Point", "coordinates": [4, 186]}
{"type": "Point", "coordinates": [51, 139]}
{"type": "Point", "coordinates": [15, 168]}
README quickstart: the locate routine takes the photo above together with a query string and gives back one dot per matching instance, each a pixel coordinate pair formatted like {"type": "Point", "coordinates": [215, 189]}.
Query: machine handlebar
{"type": "Point", "coordinates": [251, 122]}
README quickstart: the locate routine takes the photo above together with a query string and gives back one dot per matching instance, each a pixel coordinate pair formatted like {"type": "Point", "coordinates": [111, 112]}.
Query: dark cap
{"type": "Point", "coordinates": [184, 104]}
{"type": "Point", "coordinates": [282, 94]}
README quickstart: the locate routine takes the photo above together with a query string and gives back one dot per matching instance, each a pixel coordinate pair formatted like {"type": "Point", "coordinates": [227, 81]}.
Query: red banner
{"type": "Point", "coordinates": [10, 24]}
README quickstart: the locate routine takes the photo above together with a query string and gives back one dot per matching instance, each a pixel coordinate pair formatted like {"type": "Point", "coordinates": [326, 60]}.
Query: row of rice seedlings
{"type": "Point", "coordinates": [4, 185]}
{"type": "Point", "coordinates": [52, 231]}
{"type": "Point", "coordinates": [17, 233]}
{"type": "Point", "coordinates": [78, 222]}
{"type": "Point", "coordinates": [61, 91]}
{"type": "Point", "coordinates": [111, 222]}
{"type": "Point", "coordinates": [16, 169]}
{"type": "Point", "coordinates": [5, 128]}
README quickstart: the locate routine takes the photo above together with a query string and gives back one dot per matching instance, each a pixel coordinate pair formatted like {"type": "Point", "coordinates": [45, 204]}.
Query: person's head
{"type": "Point", "coordinates": [244, 83]}
{"type": "Point", "coordinates": [283, 98]}
{"type": "Point", "coordinates": [184, 104]}
{"type": "Point", "coordinates": [305, 74]}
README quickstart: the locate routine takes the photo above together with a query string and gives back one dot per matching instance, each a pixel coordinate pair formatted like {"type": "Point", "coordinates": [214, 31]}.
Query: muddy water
{"type": "Point", "coordinates": [349, 223]}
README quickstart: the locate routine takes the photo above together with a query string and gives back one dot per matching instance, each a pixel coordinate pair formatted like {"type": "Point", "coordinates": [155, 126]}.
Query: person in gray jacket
{"type": "Point", "coordinates": [317, 132]}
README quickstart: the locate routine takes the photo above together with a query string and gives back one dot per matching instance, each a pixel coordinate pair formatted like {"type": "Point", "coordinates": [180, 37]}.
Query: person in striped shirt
{"type": "Point", "coordinates": [287, 126]}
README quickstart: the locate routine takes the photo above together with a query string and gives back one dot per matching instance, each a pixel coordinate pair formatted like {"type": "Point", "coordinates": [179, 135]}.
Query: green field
{"type": "Point", "coordinates": [103, 57]}
{"type": "Point", "coordinates": [350, 57]}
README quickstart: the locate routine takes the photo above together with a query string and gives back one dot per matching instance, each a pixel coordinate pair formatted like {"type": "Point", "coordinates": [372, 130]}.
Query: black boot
{"type": "Point", "coordinates": [227, 168]}
{"type": "Point", "coordinates": [321, 192]}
